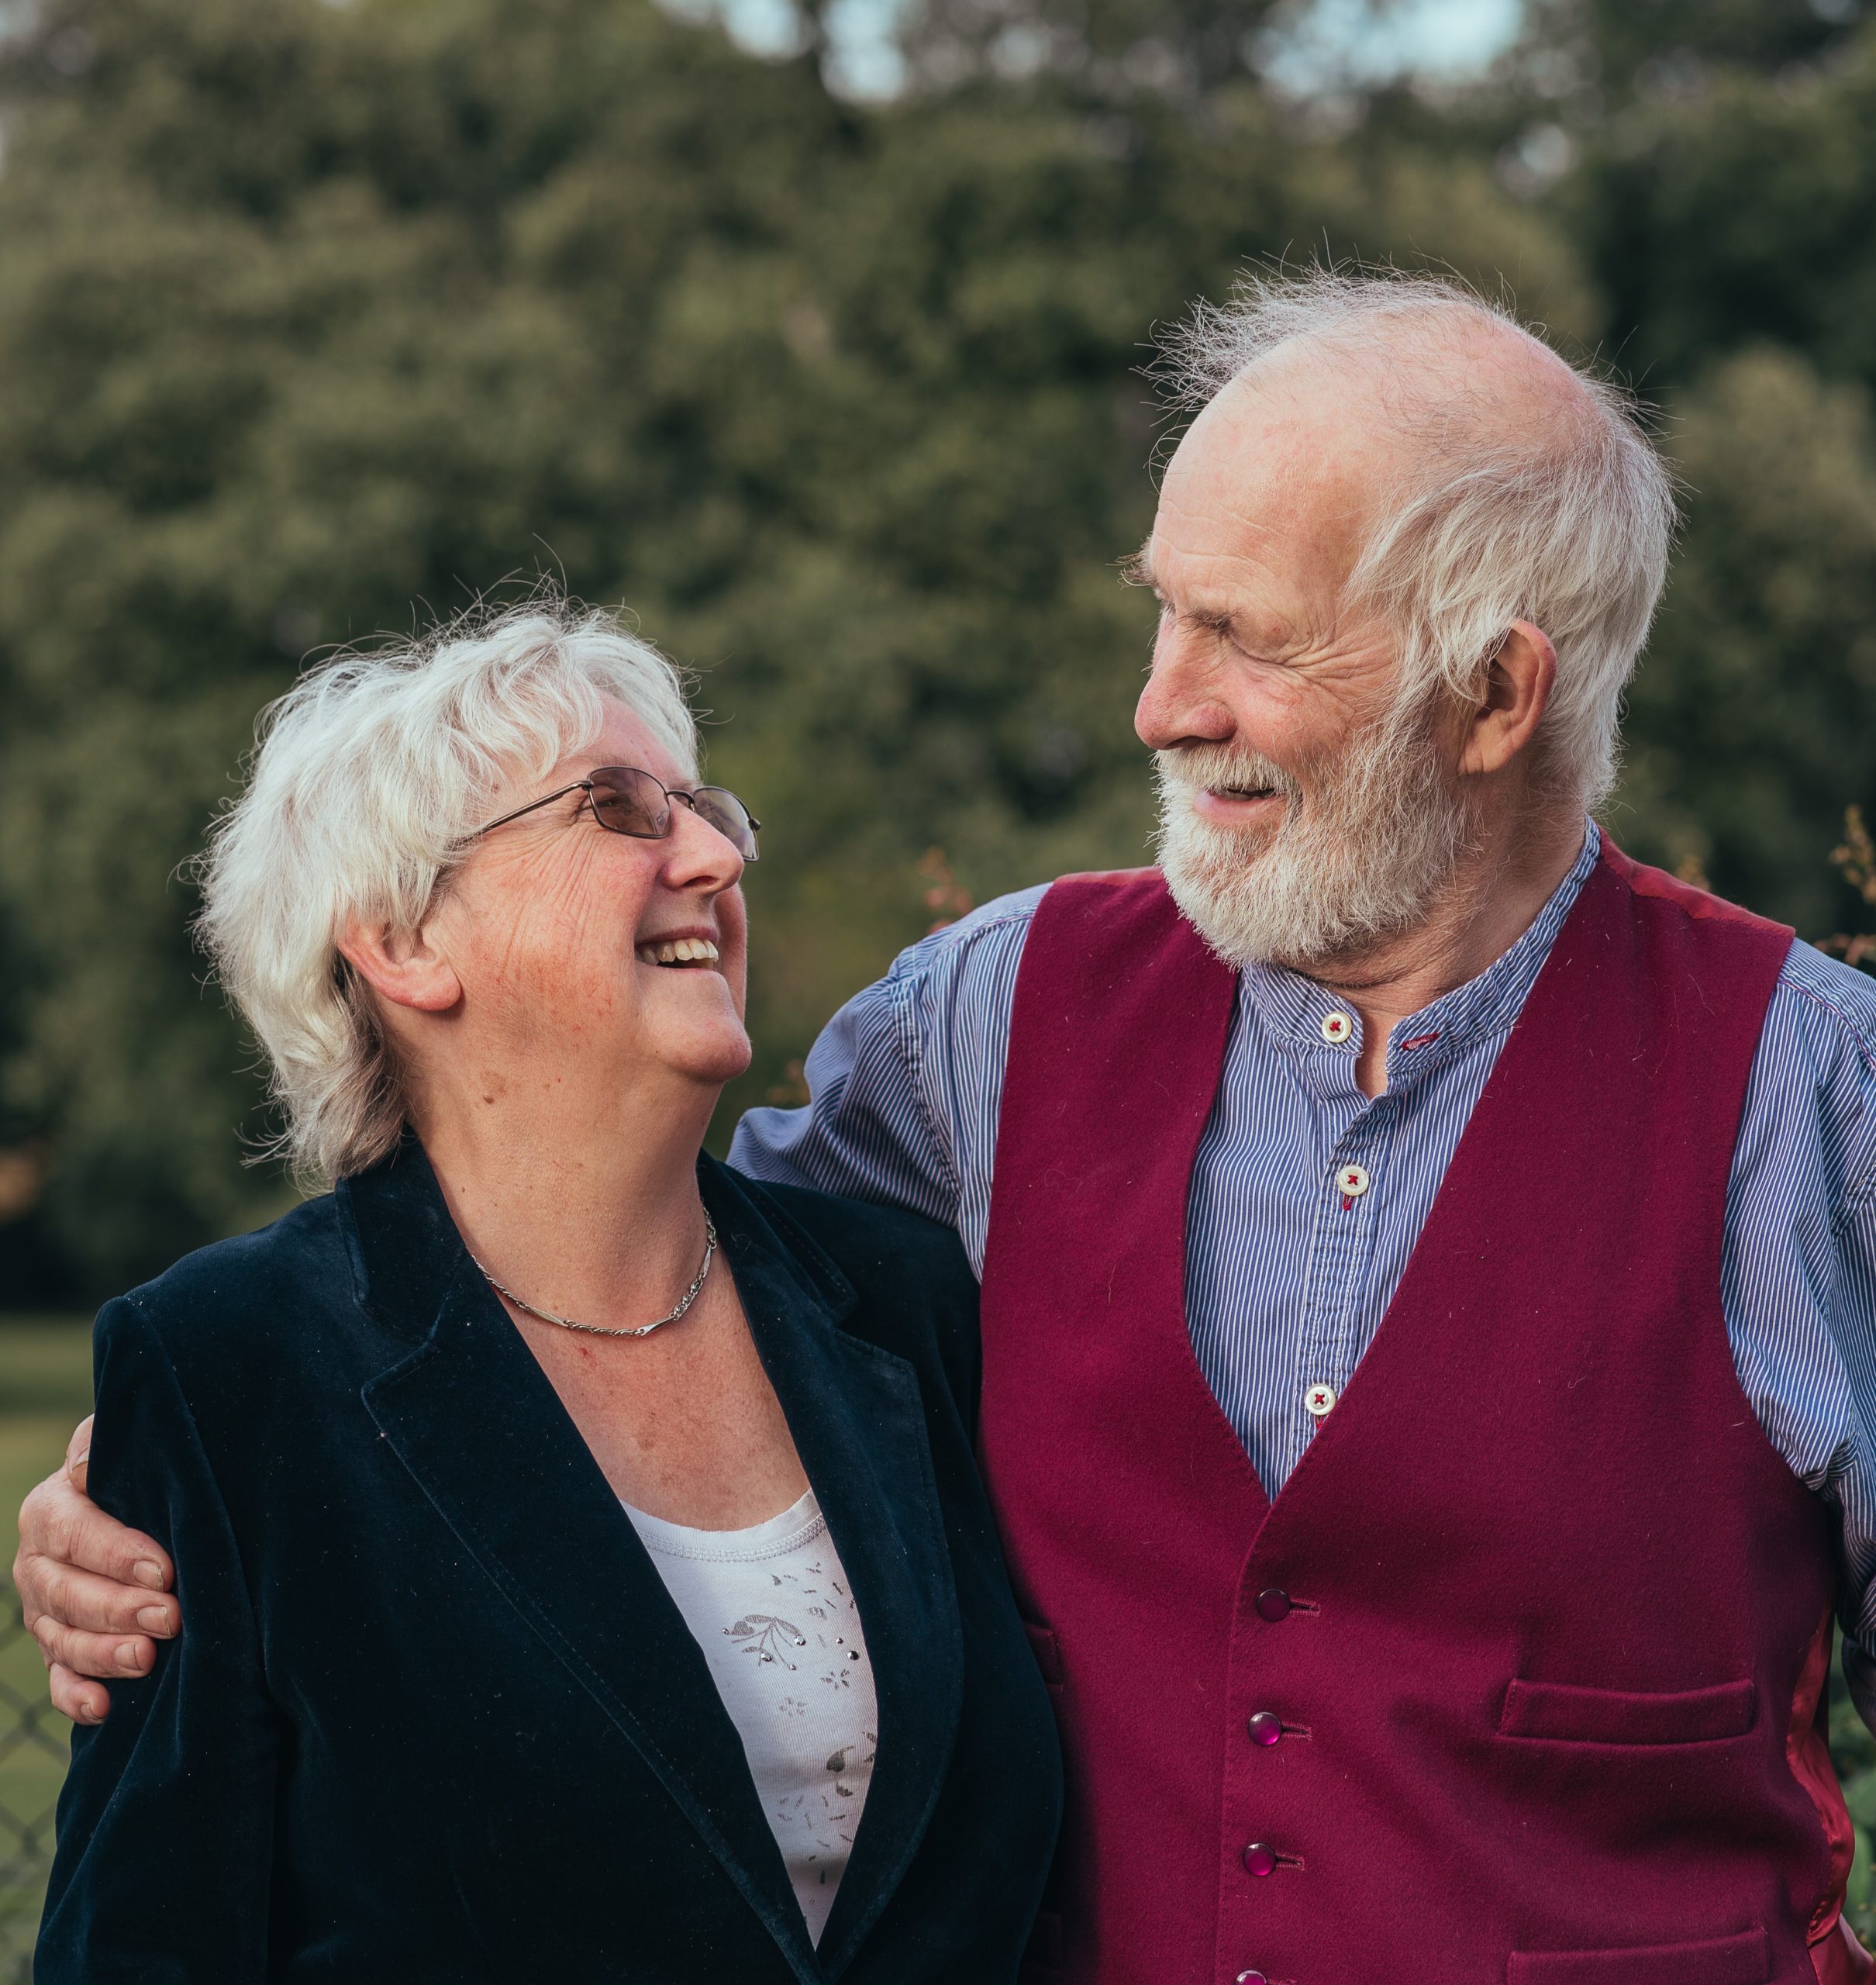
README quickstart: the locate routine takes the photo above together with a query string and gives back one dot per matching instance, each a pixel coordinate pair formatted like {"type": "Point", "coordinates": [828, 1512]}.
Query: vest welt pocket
{"type": "Point", "coordinates": [1741, 1960]}
{"type": "Point", "coordinates": [1560, 1712]}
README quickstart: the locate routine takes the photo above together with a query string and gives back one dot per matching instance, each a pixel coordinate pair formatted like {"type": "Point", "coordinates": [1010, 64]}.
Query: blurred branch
{"type": "Point", "coordinates": [1854, 857]}
{"type": "Point", "coordinates": [791, 1092]}
{"type": "Point", "coordinates": [22, 1172]}
{"type": "Point", "coordinates": [945, 897]}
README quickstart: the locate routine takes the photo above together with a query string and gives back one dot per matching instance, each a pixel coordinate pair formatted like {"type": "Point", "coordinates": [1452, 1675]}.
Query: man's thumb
{"type": "Point", "coordinates": [78, 1454]}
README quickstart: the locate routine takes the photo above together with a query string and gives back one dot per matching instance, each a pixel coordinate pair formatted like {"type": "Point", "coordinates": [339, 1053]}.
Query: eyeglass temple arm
{"type": "Point", "coordinates": [547, 799]}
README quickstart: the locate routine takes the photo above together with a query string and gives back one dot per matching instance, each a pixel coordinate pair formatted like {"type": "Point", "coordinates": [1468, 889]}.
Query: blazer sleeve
{"type": "Point", "coordinates": [165, 1824]}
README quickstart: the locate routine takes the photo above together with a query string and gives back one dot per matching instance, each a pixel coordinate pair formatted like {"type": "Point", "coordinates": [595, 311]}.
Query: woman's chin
{"type": "Point", "coordinates": [716, 1054]}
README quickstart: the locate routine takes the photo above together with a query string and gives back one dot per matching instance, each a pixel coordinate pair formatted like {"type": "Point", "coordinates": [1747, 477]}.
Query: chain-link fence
{"type": "Point", "coordinates": [33, 1755]}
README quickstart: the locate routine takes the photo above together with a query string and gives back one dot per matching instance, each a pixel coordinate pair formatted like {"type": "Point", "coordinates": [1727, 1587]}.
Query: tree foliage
{"type": "Point", "coordinates": [314, 318]}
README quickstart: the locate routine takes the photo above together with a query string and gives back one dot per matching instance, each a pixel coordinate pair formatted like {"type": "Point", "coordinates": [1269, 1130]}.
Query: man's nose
{"type": "Point", "coordinates": [1180, 704]}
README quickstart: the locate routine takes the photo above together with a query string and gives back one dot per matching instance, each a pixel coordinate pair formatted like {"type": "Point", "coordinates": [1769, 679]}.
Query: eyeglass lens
{"type": "Point", "coordinates": [630, 801]}
{"type": "Point", "coordinates": [718, 807]}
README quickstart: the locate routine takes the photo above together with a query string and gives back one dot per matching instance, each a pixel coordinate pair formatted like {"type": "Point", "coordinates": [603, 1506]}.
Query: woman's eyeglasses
{"type": "Point", "coordinates": [626, 801]}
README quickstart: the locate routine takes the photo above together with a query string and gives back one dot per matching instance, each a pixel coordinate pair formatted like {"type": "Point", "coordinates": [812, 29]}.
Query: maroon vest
{"type": "Point", "coordinates": [1541, 1623]}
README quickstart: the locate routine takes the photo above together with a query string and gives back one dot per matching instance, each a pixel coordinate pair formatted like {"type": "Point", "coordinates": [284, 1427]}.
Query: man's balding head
{"type": "Point", "coordinates": [1469, 476]}
{"type": "Point", "coordinates": [1407, 557]}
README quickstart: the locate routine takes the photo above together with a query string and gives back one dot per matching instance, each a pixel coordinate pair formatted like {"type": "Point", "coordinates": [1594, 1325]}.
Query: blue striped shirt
{"type": "Point", "coordinates": [907, 1082]}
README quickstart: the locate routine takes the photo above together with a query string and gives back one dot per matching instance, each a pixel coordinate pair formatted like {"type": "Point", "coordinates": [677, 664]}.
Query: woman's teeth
{"type": "Point", "coordinates": [679, 951]}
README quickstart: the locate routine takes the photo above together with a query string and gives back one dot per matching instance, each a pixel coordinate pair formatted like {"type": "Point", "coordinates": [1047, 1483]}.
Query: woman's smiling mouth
{"type": "Point", "coordinates": [680, 951]}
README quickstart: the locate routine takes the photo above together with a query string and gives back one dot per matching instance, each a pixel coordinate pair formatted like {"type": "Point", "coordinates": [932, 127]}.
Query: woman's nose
{"type": "Point", "coordinates": [696, 855]}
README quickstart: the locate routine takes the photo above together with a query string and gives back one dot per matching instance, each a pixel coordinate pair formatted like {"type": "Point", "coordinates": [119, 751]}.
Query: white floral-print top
{"type": "Point", "coordinates": [770, 1608]}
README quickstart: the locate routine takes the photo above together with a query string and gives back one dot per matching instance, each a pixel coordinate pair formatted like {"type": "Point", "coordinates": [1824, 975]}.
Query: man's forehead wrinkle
{"type": "Point", "coordinates": [1259, 603]}
{"type": "Point", "coordinates": [1259, 475]}
{"type": "Point", "coordinates": [1275, 575]}
{"type": "Point", "coordinates": [1205, 534]}
{"type": "Point", "coordinates": [1274, 494]}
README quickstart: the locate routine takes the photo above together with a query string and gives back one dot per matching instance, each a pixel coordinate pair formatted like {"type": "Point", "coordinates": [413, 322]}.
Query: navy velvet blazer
{"type": "Point", "coordinates": [432, 1716]}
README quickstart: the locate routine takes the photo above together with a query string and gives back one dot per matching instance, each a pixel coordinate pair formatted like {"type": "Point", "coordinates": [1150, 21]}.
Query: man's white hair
{"type": "Point", "coordinates": [369, 774]}
{"type": "Point", "coordinates": [1565, 518]}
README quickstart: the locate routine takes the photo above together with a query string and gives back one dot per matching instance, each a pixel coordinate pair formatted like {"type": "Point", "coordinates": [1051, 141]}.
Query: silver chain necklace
{"type": "Point", "coordinates": [601, 1330]}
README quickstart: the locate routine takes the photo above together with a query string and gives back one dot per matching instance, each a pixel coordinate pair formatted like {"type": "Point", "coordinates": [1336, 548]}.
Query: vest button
{"type": "Point", "coordinates": [1265, 1728]}
{"type": "Point", "coordinates": [1252, 1978]}
{"type": "Point", "coordinates": [1273, 1604]}
{"type": "Point", "coordinates": [1260, 1859]}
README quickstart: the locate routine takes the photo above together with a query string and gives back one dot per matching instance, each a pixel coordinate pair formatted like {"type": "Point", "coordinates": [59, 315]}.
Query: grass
{"type": "Point", "coordinates": [45, 1388]}
{"type": "Point", "coordinates": [44, 1366]}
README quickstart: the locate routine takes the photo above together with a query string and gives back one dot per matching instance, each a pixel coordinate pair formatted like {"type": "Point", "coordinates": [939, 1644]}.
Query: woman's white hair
{"type": "Point", "coordinates": [1564, 515]}
{"type": "Point", "coordinates": [369, 774]}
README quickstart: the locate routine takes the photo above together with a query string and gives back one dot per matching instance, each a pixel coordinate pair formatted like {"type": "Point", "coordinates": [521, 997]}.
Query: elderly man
{"type": "Point", "coordinates": [1428, 1260]}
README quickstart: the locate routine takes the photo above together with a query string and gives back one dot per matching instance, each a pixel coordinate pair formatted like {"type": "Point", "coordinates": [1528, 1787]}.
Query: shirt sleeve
{"type": "Point", "coordinates": [165, 1825]}
{"type": "Point", "coordinates": [1856, 1327]}
{"type": "Point", "coordinates": [1799, 1269]}
{"type": "Point", "coordinates": [906, 1081]}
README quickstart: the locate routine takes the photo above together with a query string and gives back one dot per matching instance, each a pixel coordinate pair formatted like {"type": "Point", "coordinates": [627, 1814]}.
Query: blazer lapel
{"type": "Point", "coordinates": [471, 1415]}
{"type": "Point", "coordinates": [474, 1418]}
{"type": "Point", "coordinates": [859, 1424]}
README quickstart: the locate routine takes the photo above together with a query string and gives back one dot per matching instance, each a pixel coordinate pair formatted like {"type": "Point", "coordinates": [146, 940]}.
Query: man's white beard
{"type": "Point", "coordinates": [1360, 860]}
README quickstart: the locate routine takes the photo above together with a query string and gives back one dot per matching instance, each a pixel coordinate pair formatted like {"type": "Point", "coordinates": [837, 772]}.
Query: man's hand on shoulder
{"type": "Point", "coordinates": [96, 1594]}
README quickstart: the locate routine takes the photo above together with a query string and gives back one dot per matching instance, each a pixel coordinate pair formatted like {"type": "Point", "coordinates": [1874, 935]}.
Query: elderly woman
{"type": "Point", "coordinates": [585, 1571]}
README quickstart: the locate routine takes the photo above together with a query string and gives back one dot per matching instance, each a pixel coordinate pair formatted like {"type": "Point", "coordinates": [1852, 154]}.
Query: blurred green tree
{"type": "Point", "coordinates": [1720, 190]}
{"type": "Point", "coordinates": [1604, 54]}
{"type": "Point", "coordinates": [314, 319]}
{"type": "Point", "coordinates": [1750, 723]}
{"type": "Point", "coordinates": [284, 353]}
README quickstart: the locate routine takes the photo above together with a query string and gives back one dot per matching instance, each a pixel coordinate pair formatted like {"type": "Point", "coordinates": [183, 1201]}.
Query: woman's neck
{"type": "Point", "coordinates": [582, 1198]}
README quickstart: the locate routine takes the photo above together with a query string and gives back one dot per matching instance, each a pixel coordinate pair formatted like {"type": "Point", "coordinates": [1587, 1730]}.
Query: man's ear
{"type": "Point", "coordinates": [404, 967]}
{"type": "Point", "coordinates": [1518, 686]}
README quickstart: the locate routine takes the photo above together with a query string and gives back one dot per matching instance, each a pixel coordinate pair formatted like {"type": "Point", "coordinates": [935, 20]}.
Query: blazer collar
{"type": "Point", "coordinates": [858, 1419]}
{"type": "Point", "coordinates": [471, 1415]}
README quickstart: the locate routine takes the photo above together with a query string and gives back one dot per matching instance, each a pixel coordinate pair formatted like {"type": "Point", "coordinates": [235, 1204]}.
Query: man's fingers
{"type": "Point", "coordinates": [78, 1455]}
{"type": "Point", "coordinates": [72, 1696]}
{"type": "Point", "coordinates": [93, 1592]}
{"type": "Point", "coordinates": [59, 1522]}
{"type": "Point", "coordinates": [81, 1600]}
{"type": "Point", "coordinates": [106, 1655]}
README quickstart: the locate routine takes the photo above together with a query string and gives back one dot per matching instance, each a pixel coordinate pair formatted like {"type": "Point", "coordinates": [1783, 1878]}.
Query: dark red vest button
{"type": "Point", "coordinates": [1273, 1604]}
{"type": "Point", "coordinates": [1260, 1859]}
{"type": "Point", "coordinates": [1265, 1728]}
{"type": "Point", "coordinates": [1252, 1978]}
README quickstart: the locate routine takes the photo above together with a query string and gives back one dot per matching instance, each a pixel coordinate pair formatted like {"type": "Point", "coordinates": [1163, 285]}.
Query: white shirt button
{"type": "Point", "coordinates": [1337, 1028]}
{"type": "Point", "coordinates": [1351, 1182]}
{"type": "Point", "coordinates": [1318, 1400]}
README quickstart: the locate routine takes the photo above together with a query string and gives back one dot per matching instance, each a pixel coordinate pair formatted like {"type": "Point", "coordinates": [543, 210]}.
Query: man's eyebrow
{"type": "Point", "coordinates": [1136, 568]}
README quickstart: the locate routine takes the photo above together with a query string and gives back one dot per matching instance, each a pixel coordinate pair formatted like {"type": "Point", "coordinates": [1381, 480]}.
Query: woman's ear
{"type": "Point", "coordinates": [404, 967]}
{"type": "Point", "coordinates": [1518, 687]}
